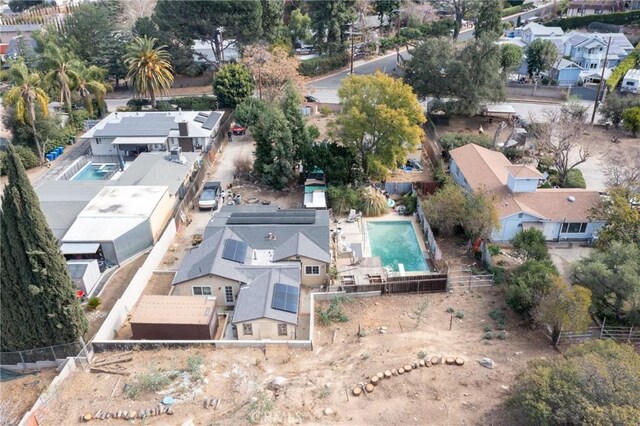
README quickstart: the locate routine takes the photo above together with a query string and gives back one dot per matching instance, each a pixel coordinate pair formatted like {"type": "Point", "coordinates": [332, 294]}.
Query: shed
{"type": "Point", "coordinates": [174, 318]}
{"type": "Point", "coordinates": [84, 274]}
{"type": "Point", "coordinates": [315, 199]}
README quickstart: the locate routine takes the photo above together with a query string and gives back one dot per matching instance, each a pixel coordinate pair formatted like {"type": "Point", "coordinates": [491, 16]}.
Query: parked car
{"type": "Point", "coordinates": [310, 98]}
{"type": "Point", "coordinates": [209, 196]}
{"type": "Point", "coordinates": [238, 129]}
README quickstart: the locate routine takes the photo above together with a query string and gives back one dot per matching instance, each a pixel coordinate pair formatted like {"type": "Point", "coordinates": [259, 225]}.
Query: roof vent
{"type": "Point", "coordinates": [571, 198]}
{"type": "Point", "coordinates": [271, 236]}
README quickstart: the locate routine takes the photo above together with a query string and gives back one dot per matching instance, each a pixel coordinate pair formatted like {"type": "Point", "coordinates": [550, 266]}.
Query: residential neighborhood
{"type": "Point", "coordinates": [271, 212]}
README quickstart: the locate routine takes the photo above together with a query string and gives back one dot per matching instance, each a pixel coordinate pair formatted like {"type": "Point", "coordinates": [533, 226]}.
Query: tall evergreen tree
{"type": "Point", "coordinates": [38, 306]}
{"type": "Point", "coordinates": [274, 155]}
{"type": "Point", "coordinates": [489, 19]}
{"type": "Point", "coordinates": [290, 106]}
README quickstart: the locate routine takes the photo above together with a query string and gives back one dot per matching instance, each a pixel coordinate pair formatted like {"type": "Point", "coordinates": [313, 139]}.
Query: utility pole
{"type": "Point", "coordinates": [604, 67]}
{"type": "Point", "coordinates": [352, 48]}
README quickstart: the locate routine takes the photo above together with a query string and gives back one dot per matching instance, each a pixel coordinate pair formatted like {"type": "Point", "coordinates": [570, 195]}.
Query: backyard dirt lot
{"type": "Point", "coordinates": [18, 396]}
{"type": "Point", "coordinates": [321, 379]}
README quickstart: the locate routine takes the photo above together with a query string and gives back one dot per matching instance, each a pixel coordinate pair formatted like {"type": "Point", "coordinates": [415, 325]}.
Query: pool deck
{"type": "Point", "coordinates": [353, 269]}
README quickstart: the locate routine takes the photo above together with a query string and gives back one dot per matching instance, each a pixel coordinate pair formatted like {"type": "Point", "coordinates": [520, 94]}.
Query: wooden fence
{"type": "Point", "coordinates": [427, 283]}
{"type": "Point", "coordinates": [618, 333]}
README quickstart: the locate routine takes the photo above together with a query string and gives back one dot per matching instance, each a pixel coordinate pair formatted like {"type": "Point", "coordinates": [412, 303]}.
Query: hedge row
{"type": "Point", "coordinates": [323, 64]}
{"type": "Point", "coordinates": [625, 65]}
{"type": "Point", "coordinates": [511, 11]}
{"type": "Point", "coordinates": [622, 18]}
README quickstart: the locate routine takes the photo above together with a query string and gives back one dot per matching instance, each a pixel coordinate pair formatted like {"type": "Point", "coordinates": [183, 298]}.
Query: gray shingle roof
{"type": "Point", "coordinates": [300, 245]}
{"type": "Point", "coordinates": [254, 299]}
{"type": "Point", "coordinates": [311, 240]}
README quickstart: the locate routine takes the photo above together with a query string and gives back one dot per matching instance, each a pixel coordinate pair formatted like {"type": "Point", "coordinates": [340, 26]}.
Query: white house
{"type": "Point", "coordinates": [131, 133]}
{"type": "Point", "coordinates": [560, 213]}
{"type": "Point", "coordinates": [533, 31]}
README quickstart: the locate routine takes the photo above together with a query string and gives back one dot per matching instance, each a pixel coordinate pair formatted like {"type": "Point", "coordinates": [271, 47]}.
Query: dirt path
{"type": "Point", "coordinates": [111, 293]}
{"type": "Point", "coordinates": [18, 396]}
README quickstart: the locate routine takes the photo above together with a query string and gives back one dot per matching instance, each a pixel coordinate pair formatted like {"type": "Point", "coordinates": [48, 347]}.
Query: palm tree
{"type": "Point", "coordinates": [26, 92]}
{"type": "Point", "coordinates": [61, 71]}
{"type": "Point", "coordinates": [92, 83]}
{"type": "Point", "coordinates": [149, 67]}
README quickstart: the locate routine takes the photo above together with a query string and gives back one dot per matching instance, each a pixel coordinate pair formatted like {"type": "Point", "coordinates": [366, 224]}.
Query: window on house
{"type": "Point", "coordinates": [282, 329]}
{"type": "Point", "coordinates": [574, 228]}
{"type": "Point", "coordinates": [598, 11]}
{"type": "Point", "coordinates": [201, 290]}
{"type": "Point", "coordinates": [520, 215]}
{"type": "Point", "coordinates": [247, 329]}
{"type": "Point", "coordinates": [228, 294]}
{"type": "Point", "coordinates": [312, 270]}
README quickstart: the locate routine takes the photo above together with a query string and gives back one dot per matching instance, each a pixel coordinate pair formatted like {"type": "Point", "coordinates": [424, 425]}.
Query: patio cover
{"type": "Point", "coordinates": [132, 140]}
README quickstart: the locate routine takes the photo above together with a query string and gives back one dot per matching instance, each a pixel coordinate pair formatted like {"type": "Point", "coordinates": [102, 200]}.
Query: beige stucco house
{"type": "Point", "coordinates": [247, 254]}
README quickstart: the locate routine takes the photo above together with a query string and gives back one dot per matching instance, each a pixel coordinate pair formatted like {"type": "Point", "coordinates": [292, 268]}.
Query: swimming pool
{"type": "Point", "coordinates": [95, 172]}
{"type": "Point", "coordinates": [395, 242]}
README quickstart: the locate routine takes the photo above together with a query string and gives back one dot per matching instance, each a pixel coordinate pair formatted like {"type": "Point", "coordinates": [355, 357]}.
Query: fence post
{"type": "Point", "coordinates": [602, 328]}
{"type": "Point", "coordinates": [24, 364]}
{"type": "Point", "coordinates": [53, 352]}
{"type": "Point", "coordinates": [630, 332]}
{"type": "Point", "coordinates": [469, 282]}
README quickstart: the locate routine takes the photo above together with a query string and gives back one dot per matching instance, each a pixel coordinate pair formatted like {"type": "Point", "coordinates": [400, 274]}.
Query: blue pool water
{"type": "Point", "coordinates": [95, 172]}
{"type": "Point", "coordinates": [396, 242]}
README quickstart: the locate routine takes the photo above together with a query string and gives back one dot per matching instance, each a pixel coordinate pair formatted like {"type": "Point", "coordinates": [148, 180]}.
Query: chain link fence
{"type": "Point", "coordinates": [48, 353]}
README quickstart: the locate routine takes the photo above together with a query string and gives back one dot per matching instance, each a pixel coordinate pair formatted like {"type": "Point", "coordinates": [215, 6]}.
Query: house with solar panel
{"type": "Point", "coordinates": [127, 134]}
{"type": "Point", "coordinates": [255, 259]}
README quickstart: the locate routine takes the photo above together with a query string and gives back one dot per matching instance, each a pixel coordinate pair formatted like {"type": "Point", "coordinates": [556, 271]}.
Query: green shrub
{"type": "Point", "coordinates": [501, 335]}
{"type": "Point", "coordinates": [508, 11]}
{"type": "Point", "coordinates": [333, 313]}
{"type": "Point", "coordinates": [623, 18]}
{"type": "Point", "coordinates": [460, 314]}
{"type": "Point", "coordinates": [194, 366]}
{"type": "Point", "coordinates": [342, 199]}
{"type": "Point", "coordinates": [27, 156]}
{"type": "Point", "coordinates": [488, 328]}
{"type": "Point", "coordinates": [152, 381]}
{"type": "Point", "coordinates": [450, 310]}
{"type": "Point", "coordinates": [494, 250]}
{"type": "Point", "coordinates": [422, 354]}
{"type": "Point", "coordinates": [94, 302]}
{"type": "Point", "coordinates": [498, 274]}
{"type": "Point", "coordinates": [323, 64]}
{"type": "Point", "coordinates": [496, 315]}
{"type": "Point", "coordinates": [325, 110]}
{"type": "Point", "coordinates": [195, 103]}
{"type": "Point", "coordinates": [410, 202]}
{"type": "Point", "coordinates": [531, 244]}
{"type": "Point", "coordinates": [449, 141]}
{"type": "Point", "coordinates": [501, 324]}
{"type": "Point", "coordinates": [488, 335]}
{"type": "Point", "coordinates": [513, 154]}
{"type": "Point", "coordinates": [628, 63]}
{"type": "Point", "coordinates": [575, 179]}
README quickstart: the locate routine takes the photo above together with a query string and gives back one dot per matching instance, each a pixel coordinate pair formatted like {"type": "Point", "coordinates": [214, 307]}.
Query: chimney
{"type": "Point", "coordinates": [183, 128]}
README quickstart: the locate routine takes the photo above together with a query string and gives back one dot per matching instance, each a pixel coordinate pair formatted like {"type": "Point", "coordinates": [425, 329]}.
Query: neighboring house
{"type": "Point", "coordinates": [586, 50]}
{"type": "Point", "coordinates": [631, 82]}
{"type": "Point", "coordinates": [203, 51]}
{"type": "Point", "coordinates": [119, 222]}
{"type": "Point", "coordinates": [8, 32]}
{"type": "Point", "coordinates": [126, 134]}
{"type": "Point", "coordinates": [246, 251]}
{"type": "Point", "coordinates": [533, 31]}
{"type": "Point", "coordinates": [174, 318]}
{"type": "Point", "coordinates": [18, 47]}
{"type": "Point", "coordinates": [560, 213]}
{"type": "Point", "coordinates": [594, 7]}
{"type": "Point", "coordinates": [565, 72]}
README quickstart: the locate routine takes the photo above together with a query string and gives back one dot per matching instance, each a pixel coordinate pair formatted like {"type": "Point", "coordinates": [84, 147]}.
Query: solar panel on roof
{"type": "Point", "coordinates": [280, 217]}
{"type": "Point", "coordinates": [203, 114]}
{"type": "Point", "coordinates": [234, 250]}
{"type": "Point", "coordinates": [285, 298]}
{"type": "Point", "coordinates": [200, 119]}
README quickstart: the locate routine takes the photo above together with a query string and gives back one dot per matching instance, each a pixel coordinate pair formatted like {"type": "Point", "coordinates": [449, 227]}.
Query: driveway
{"type": "Point", "coordinates": [241, 148]}
{"type": "Point", "coordinates": [564, 255]}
